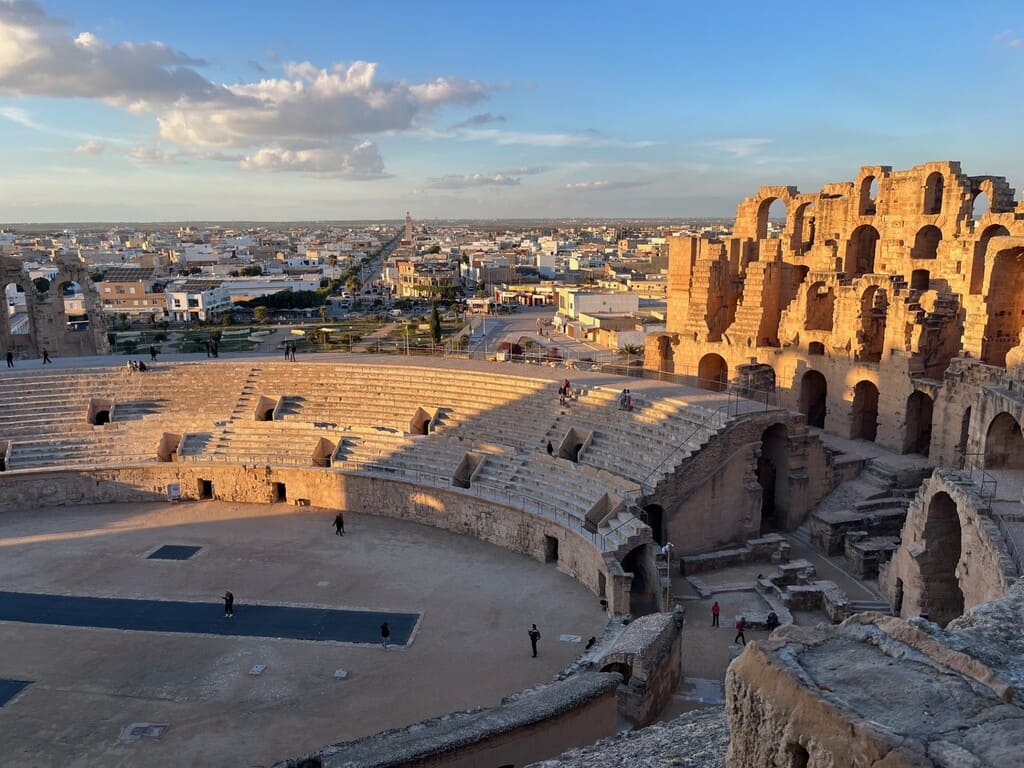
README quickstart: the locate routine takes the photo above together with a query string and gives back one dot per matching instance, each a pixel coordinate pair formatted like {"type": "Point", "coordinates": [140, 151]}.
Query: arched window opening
{"type": "Point", "coordinates": [860, 251]}
{"type": "Point", "coordinates": [920, 280]}
{"type": "Point", "coordinates": [868, 196]}
{"type": "Point", "coordinates": [1004, 443]}
{"type": "Point", "coordinates": [815, 348]}
{"type": "Point", "coordinates": [933, 188]}
{"type": "Point", "coordinates": [1006, 306]}
{"type": "Point", "coordinates": [980, 250]}
{"type": "Point", "coordinates": [771, 218]}
{"type": "Point", "coordinates": [17, 310]}
{"type": "Point", "coordinates": [712, 373]}
{"type": "Point", "coordinates": [980, 205]}
{"type": "Point", "coordinates": [926, 243]}
{"type": "Point", "coordinates": [873, 312]}
{"type": "Point", "coordinates": [918, 435]}
{"type": "Point", "coordinates": [821, 300]}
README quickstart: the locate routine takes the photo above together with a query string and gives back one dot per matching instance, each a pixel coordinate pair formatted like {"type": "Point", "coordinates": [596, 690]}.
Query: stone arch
{"type": "Point", "coordinates": [814, 398]}
{"type": "Point", "coordinates": [1004, 443]}
{"type": "Point", "coordinates": [772, 475]}
{"type": "Point", "coordinates": [867, 205]}
{"type": "Point", "coordinates": [926, 243]}
{"type": "Point", "coordinates": [874, 308]}
{"type": "Point", "coordinates": [821, 302]}
{"type": "Point", "coordinates": [918, 435]}
{"type": "Point", "coordinates": [980, 204]}
{"type": "Point", "coordinates": [1005, 305]}
{"type": "Point", "coordinates": [816, 348]}
{"type": "Point", "coordinates": [864, 414]}
{"type": "Point", "coordinates": [666, 354]}
{"type": "Point", "coordinates": [860, 251]}
{"type": "Point", "coordinates": [622, 668]}
{"type": "Point", "coordinates": [941, 597]}
{"type": "Point", "coordinates": [803, 228]}
{"type": "Point", "coordinates": [933, 189]}
{"type": "Point", "coordinates": [712, 372]}
{"type": "Point", "coordinates": [644, 586]}
{"type": "Point", "coordinates": [763, 214]}
{"type": "Point", "coordinates": [17, 312]}
{"type": "Point", "coordinates": [978, 260]}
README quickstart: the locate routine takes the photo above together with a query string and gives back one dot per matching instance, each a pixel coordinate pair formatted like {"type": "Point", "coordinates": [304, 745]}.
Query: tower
{"type": "Point", "coordinates": [408, 227]}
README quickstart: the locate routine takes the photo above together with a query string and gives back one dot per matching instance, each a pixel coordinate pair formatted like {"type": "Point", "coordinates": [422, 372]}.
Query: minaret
{"type": "Point", "coordinates": [408, 227]}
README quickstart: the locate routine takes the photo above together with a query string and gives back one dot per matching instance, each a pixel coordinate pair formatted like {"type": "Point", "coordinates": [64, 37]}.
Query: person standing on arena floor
{"type": "Point", "coordinates": [715, 610]}
{"type": "Point", "coordinates": [385, 635]}
{"type": "Point", "coordinates": [339, 525]}
{"type": "Point", "coordinates": [534, 634]}
{"type": "Point", "coordinates": [229, 604]}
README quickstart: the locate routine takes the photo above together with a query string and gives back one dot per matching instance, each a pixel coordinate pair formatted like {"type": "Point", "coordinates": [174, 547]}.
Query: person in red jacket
{"type": "Point", "coordinates": [715, 610]}
{"type": "Point", "coordinates": [740, 626]}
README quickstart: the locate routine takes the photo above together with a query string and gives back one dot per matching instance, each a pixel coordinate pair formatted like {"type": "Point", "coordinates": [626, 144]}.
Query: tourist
{"type": "Point", "coordinates": [629, 401]}
{"type": "Point", "coordinates": [551, 449]}
{"type": "Point", "coordinates": [141, 366]}
{"type": "Point", "coordinates": [622, 400]}
{"type": "Point", "coordinates": [534, 637]}
{"type": "Point", "coordinates": [385, 635]}
{"type": "Point", "coordinates": [561, 395]}
{"type": "Point", "coordinates": [10, 359]}
{"type": "Point", "coordinates": [229, 605]}
{"type": "Point", "coordinates": [291, 352]}
{"type": "Point", "coordinates": [339, 525]}
{"type": "Point", "coordinates": [741, 625]}
{"type": "Point", "coordinates": [152, 353]}
{"type": "Point", "coordinates": [287, 350]}
{"type": "Point", "coordinates": [667, 551]}
{"type": "Point", "coordinates": [715, 610]}
{"type": "Point", "coordinates": [772, 621]}
{"type": "Point", "coordinates": [215, 348]}
{"type": "Point", "coordinates": [209, 348]}
{"type": "Point", "coordinates": [46, 357]}
{"type": "Point", "coordinates": [591, 643]}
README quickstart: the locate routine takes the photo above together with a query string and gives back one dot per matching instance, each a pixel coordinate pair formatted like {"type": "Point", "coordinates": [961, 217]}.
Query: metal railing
{"type": "Point", "coordinates": [987, 484]}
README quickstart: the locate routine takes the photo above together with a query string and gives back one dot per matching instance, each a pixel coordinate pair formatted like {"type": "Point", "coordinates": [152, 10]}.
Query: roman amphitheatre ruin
{"type": "Point", "coordinates": [829, 430]}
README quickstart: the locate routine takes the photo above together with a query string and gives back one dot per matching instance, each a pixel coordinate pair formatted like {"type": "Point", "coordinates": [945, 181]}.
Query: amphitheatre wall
{"type": "Point", "coordinates": [952, 555]}
{"type": "Point", "coordinates": [47, 322]}
{"type": "Point", "coordinates": [443, 508]}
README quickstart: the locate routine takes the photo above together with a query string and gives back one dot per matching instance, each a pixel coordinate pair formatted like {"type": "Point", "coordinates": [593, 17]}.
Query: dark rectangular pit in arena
{"type": "Point", "coordinates": [11, 688]}
{"type": "Point", "coordinates": [173, 552]}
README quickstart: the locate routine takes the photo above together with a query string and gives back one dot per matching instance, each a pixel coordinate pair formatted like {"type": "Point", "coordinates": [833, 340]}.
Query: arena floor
{"type": "Point", "coordinates": [469, 648]}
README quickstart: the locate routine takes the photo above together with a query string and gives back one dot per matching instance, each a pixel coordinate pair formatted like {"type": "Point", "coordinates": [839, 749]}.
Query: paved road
{"type": "Point", "coordinates": [345, 626]}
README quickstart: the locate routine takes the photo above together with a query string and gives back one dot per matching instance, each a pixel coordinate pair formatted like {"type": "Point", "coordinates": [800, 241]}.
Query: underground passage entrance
{"type": "Point", "coordinates": [654, 515]}
{"type": "Point", "coordinates": [814, 398]}
{"type": "Point", "coordinates": [941, 597]}
{"type": "Point", "coordinates": [206, 489]}
{"type": "Point", "coordinates": [772, 474]}
{"type": "Point", "coordinates": [640, 563]}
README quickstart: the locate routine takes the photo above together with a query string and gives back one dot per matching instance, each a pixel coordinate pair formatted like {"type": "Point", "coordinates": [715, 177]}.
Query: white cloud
{"type": "Point", "coordinates": [551, 140]}
{"type": "Point", "coordinates": [1009, 38]}
{"type": "Point", "coordinates": [736, 147]}
{"type": "Point", "coordinates": [361, 161]}
{"type": "Point", "coordinates": [474, 180]}
{"type": "Point", "coordinates": [150, 156]}
{"type": "Point", "coordinates": [484, 118]}
{"type": "Point", "coordinates": [92, 147]}
{"type": "Point", "coordinates": [602, 185]}
{"type": "Point", "coordinates": [21, 117]}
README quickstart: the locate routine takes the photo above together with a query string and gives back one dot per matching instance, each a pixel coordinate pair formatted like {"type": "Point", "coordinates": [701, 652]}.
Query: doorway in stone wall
{"type": "Point", "coordinates": [814, 398]}
{"type": "Point", "coordinates": [655, 515]}
{"type": "Point", "coordinates": [918, 435]}
{"type": "Point", "coordinates": [941, 597]}
{"type": "Point", "coordinates": [772, 474]}
{"type": "Point", "coordinates": [864, 414]}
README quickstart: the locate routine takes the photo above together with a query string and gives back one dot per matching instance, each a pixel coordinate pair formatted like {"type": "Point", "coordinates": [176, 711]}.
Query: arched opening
{"type": "Point", "coordinates": [814, 398]}
{"type": "Point", "coordinates": [804, 229]}
{"type": "Point", "coordinates": [926, 243]}
{"type": "Point", "coordinates": [864, 415]}
{"type": "Point", "coordinates": [965, 434]}
{"type": "Point", "coordinates": [666, 355]}
{"type": "Point", "coordinates": [712, 372]}
{"type": "Point", "coordinates": [640, 563]}
{"type": "Point", "coordinates": [1005, 302]}
{"type": "Point", "coordinates": [772, 474]}
{"type": "Point", "coordinates": [821, 301]}
{"type": "Point", "coordinates": [419, 424]}
{"type": "Point", "coordinates": [1004, 443]}
{"type": "Point", "coordinates": [574, 454]}
{"type": "Point", "coordinates": [655, 516]}
{"type": "Point", "coordinates": [920, 279]}
{"type": "Point", "coordinates": [918, 436]}
{"type": "Point", "coordinates": [102, 417]}
{"type": "Point", "coordinates": [978, 261]}
{"type": "Point", "coordinates": [933, 187]}
{"type": "Point", "coordinates": [815, 348]}
{"type": "Point", "coordinates": [75, 315]}
{"type": "Point", "coordinates": [897, 598]}
{"type": "Point", "coordinates": [860, 251]}
{"type": "Point", "coordinates": [980, 205]}
{"type": "Point", "coordinates": [771, 218]}
{"type": "Point", "coordinates": [874, 307]}
{"type": "Point", "coordinates": [17, 310]}
{"type": "Point", "coordinates": [798, 756]}
{"type": "Point", "coordinates": [868, 196]}
{"type": "Point", "coordinates": [621, 667]}
{"type": "Point", "coordinates": [941, 597]}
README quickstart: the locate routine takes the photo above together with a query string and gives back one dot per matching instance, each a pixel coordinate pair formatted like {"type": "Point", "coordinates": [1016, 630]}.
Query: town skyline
{"type": "Point", "coordinates": [113, 112]}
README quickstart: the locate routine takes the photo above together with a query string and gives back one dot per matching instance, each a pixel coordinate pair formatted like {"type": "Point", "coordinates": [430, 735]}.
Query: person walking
{"type": "Point", "coordinates": [291, 352]}
{"type": "Point", "coordinates": [622, 400]}
{"type": "Point", "coordinates": [229, 604]}
{"type": "Point", "coordinates": [339, 525]}
{"type": "Point", "coordinates": [10, 359]}
{"type": "Point", "coordinates": [551, 449]}
{"type": "Point", "coordinates": [385, 635]}
{"type": "Point", "coordinates": [740, 626]}
{"type": "Point", "coordinates": [46, 357]}
{"type": "Point", "coordinates": [152, 353]}
{"type": "Point", "coordinates": [287, 350]}
{"type": "Point", "coordinates": [534, 634]}
{"type": "Point", "coordinates": [715, 610]}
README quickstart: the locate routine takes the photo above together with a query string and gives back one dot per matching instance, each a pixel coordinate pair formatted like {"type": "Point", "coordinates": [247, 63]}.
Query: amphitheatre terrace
{"type": "Point", "coordinates": [828, 430]}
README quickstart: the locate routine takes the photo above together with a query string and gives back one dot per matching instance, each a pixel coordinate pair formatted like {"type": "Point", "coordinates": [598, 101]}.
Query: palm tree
{"type": "Point", "coordinates": [630, 350]}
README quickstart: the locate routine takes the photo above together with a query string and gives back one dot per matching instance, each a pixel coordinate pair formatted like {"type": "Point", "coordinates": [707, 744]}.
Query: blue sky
{"type": "Point", "coordinates": [259, 110]}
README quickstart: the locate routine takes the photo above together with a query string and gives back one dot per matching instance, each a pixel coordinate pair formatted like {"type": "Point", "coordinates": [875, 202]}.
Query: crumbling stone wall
{"type": "Point", "coordinates": [884, 279]}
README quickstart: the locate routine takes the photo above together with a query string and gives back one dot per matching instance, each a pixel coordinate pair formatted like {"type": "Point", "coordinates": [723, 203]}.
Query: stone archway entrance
{"type": "Point", "coordinates": [918, 436]}
{"type": "Point", "coordinates": [814, 398]}
{"type": "Point", "coordinates": [642, 590]}
{"type": "Point", "coordinates": [712, 372]}
{"type": "Point", "coordinates": [941, 597]}
{"type": "Point", "coordinates": [772, 475]}
{"type": "Point", "coordinates": [1004, 443]}
{"type": "Point", "coordinates": [655, 515]}
{"type": "Point", "coordinates": [864, 415]}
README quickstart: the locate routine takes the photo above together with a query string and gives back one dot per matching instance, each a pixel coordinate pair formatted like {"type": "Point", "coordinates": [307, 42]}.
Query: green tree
{"type": "Point", "coordinates": [352, 284]}
{"type": "Point", "coordinates": [261, 315]}
{"type": "Point", "coordinates": [226, 319]}
{"type": "Point", "coordinates": [435, 323]}
{"type": "Point", "coordinates": [630, 350]}
{"type": "Point", "coordinates": [251, 271]}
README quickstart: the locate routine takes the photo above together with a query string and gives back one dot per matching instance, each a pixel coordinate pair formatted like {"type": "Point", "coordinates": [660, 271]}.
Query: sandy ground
{"type": "Point", "coordinates": [470, 648]}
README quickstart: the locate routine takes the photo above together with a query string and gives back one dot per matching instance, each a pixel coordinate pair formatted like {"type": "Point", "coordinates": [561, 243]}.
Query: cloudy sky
{"type": "Point", "coordinates": [258, 110]}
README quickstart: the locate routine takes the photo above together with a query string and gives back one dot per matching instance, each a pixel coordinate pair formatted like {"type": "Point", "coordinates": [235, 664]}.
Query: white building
{"type": "Point", "coordinates": [189, 300]}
